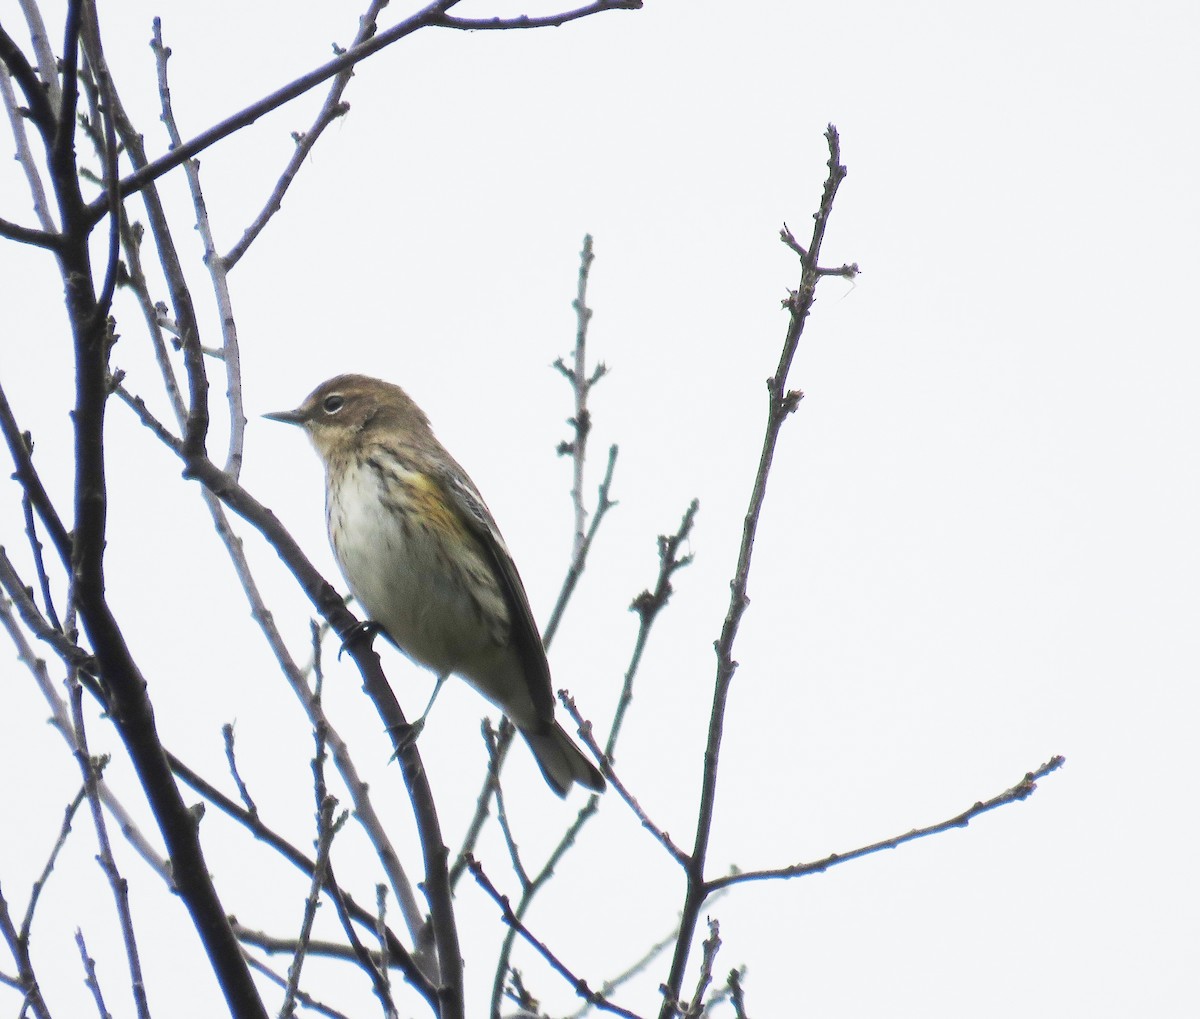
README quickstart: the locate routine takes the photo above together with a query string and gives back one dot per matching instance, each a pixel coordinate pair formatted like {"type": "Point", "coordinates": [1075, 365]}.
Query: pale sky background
{"type": "Point", "coordinates": [979, 548]}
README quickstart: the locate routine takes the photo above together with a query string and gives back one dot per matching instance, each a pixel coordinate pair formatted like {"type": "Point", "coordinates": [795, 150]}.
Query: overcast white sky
{"type": "Point", "coordinates": [980, 543]}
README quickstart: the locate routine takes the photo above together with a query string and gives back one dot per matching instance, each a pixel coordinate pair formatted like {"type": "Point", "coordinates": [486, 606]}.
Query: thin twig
{"type": "Point", "coordinates": [38, 885]}
{"type": "Point", "coordinates": [549, 21]}
{"type": "Point", "coordinates": [26, 980]}
{"type": "Point", "coordinates": [428, 16]}
{"type": "Point", "coordinates": [648, 605]}
{"type": "Point", "coordinates": [737, 993]}
{"type": "Point", "coordinates": [108, 864]}
{"type": "Point", "coordinates": [581, 987]}
{"type": "Point", "coordinates": [327, 827]}
{"type": "Point", "coordinates": [1021, 791]}
{"type": "Point", "coordinates": [307, 1000]}
{"type": "Point", "coordinates": [781, 403]}
{"type": "Point", "coordinates": [581, 380]}
{"type": "Point", "coordinates": [39, 38]}
{"type": "Point", "coordinates": [97, 70]}
{"type": "Point", "coordinates": [514, 854]}
{"type": "Point", "coordinates": [331, 110]}
{"type": "Point", "coordinates": [39, 560]}
{"type": "Point", "coordinates": [708, 956]}
{"type": "Point", "coordinates": [21, 451]}
{"type": "Point", "coordinates": [48, 236]}
{"type": "Point", "coordinates": [90, 980]}
{"type": "Point", "coordinates": [231, 758]}
{"type": "Point", "coordinates": [381, 932]}
{"type": "Point", "coordinates": [304, 863]}
{"type": "Point", "coordinates": [76, 658]}
{"type": "Point", "coordinates": [585, 733]}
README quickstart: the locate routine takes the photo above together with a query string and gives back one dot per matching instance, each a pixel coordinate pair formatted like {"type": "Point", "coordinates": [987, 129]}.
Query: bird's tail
{"type": "Point", "coordinates": [561, 761]}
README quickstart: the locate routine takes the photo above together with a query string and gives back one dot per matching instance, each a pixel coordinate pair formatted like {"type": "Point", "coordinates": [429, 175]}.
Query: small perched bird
{"type": "Point", "coordinates": [424, 558]}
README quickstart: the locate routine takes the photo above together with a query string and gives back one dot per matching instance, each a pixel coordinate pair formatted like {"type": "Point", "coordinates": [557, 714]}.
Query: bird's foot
{"type": "Point", "coordinates": [364, 630]}
{"type": "Point", "coordinates": [404, 736]}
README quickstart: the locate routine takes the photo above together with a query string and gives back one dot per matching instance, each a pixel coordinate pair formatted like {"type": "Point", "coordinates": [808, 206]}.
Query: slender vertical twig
{"type": "Point", "coordinates": [781, 402]}
{"type": "Point", "coordinates": [108, 863]}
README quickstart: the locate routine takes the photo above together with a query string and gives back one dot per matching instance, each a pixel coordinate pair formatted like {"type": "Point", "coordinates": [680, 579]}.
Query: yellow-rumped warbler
{"type": "Point", "coordinates": [425, 559]}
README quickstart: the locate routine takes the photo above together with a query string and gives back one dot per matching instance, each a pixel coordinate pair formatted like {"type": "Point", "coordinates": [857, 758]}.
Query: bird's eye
{"type": "Point", "coordinates": [332, 404]}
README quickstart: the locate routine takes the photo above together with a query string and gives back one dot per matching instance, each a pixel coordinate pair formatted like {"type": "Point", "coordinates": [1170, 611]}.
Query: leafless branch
{"type": "Point", "coordinates": [108, 864]}
{"type": "Point", "coordinates": [91, 981]}
{"type": "Point", "coordinates": [307, 1000]}
{"type": "Point", "coordinates": [97, 74]}
{"type": "Point", "coordinates": [781, 403]}
{"type": "Point", "coordinates": [36, 892]}
{"type": "Point", "coordinates": [581, 987]}
{"type": "Point", "coordinates": [26, 980]}
{"type": "Point", "coordinates": [429, 15]}
{"type": "Point", "coordinates": [327, 828]}
{"type": "Point", "coordinates": [708, 956]}
{"type": "Point", "coordinates": [231, 758]}
{"type": "Point", "coordinates": [230, 355]}
{"type": "Point", "coordinates": [737, 993]}
{"type": "Point", "coordinates": [647, 604]}
{"type": "Point", "coordinates": [549, 21]}
{"type": "Point", "coordinates": [582, 378]}
{"type": "Point", "coordinates": [1021, 791]}
{"type": "Point", "coordinates": [76, 658]}
{"type": "Point", "coordinates": [585, 733]}
{"type": "Point", "coordinates": [514, 854]}
{"type": "Point", "coordinates": [331, 110]}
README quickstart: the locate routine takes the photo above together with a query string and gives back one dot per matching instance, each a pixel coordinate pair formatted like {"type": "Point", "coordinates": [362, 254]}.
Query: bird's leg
{"type": "Point", "coordinates": [405, 738]}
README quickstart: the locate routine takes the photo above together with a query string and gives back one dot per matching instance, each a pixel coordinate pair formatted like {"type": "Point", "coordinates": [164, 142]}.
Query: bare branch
{"type": "Point", "coordinates": [43, 115]}
{"type": "Point", "coordinates": [40, 40]}
{"type": "Point", "coordinates": [781, 403]}
{"type": "Point", "coordinates": [708, 956]}
{"type": "Point", "coordinates": [585, 734]}
{"type": "Point", "coordinates": [549, 21]}
{"type": "Point", "coordinates": [428, 16]}
{"type": "Point", "coordinates": [97, 70]}
{"type": "Point", "coordinates": [36, 892]}
{"type": "Point", "coordinates": [581, 987]}
{"type": "Point", "coordinates": [18, 946]}
{"type": "Point", "coordinates": [649, 604]}
{"type": "Point", "coordinates": [231, 758]}
{"type": "Point", "coordinates": [108, 864]}
{"type": "Point", "coordinates": [20, 448]}
{"type": "Point", "coordinates": [514, 854]}
{"type": "Point", "coordinates": [307, 1000]}
{"type": "Point", "coordinates": [91, 981]}
{"type": "Point", "coordinates": [327, 827]}
{"type": "Point", "coordinates": [231, 360]}
{"type": "Point", "coordinates": [28, 234]}
{"type": "Point", "coordinates": [1021, 791]}
{"type": "Point", "coordinates": [581, 382]}
{"type": "Point", "coordinates": [331, 110]}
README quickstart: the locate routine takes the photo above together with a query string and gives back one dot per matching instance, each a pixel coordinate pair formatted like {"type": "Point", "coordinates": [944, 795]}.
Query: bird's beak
{"type": "Point", "coordinates": [288, 417]}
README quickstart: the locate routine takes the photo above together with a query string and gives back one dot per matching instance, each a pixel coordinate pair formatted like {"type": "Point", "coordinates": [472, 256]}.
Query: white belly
{"type": "Point", "coordinates": [423, 592]}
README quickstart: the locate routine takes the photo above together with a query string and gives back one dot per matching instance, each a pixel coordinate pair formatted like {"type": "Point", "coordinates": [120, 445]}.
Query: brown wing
{"type": "Point", "coordinates": [525, 635]}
